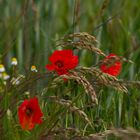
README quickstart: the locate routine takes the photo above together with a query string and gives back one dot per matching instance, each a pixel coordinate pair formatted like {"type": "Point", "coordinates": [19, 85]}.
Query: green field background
{"type": "Point", "coordinates": [29, 30]}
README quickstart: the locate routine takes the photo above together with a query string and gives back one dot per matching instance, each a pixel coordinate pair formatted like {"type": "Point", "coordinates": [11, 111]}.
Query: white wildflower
{"type": "Point", "coordinates": [34, 69]}
{"type": "Point", "coordinates": [5, 76]}
{"type": "Point", "coordinates": [2, 68]}
{"type": "Point", "coordinates": [14, 61]}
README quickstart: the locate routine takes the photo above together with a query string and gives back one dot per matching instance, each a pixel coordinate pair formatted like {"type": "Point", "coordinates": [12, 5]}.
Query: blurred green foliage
{"type": "Point", "coordinates": [29, 28]}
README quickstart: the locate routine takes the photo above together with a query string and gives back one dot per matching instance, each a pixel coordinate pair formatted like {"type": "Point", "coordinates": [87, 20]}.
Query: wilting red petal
{"type": "Point", "coordinates": [29, 114]}
{"type": "Point", "coordinates": [21, 112]}
{"type": "Point", "coordinates": [113, 69]}
{"type": "Point", "coordinates": [27, 123]}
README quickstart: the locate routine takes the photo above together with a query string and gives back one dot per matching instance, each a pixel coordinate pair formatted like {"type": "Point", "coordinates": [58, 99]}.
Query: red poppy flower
{"type": "Point", "coordinates": [29, 114]}
{"type": "Point", "coordinates": [111, 65]}
{"type": "Point", "coordinates": [62, 61]}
